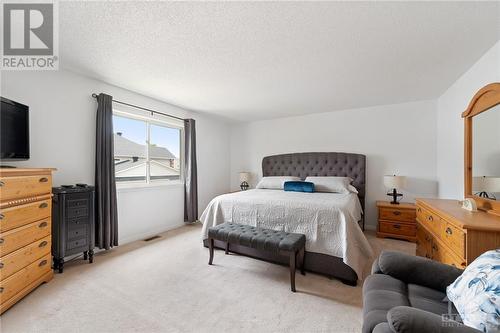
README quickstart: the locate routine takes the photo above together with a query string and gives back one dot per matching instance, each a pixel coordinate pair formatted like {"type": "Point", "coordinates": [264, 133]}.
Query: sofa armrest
{"type": "Point", "coordinates": [405, 319]}
{"type": "Point", "coordinates": [418, 270]}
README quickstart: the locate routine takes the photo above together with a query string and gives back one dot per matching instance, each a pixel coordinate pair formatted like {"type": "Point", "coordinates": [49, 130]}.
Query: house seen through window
{"type": "Point", "coordinates": [146, 151]}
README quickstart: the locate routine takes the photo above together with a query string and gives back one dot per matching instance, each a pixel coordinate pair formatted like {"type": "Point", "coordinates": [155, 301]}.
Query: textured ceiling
{"type": "Point", "coordinates": [258, 60]}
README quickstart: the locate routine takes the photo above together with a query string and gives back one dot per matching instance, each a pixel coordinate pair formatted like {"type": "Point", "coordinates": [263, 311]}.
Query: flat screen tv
{"type": "Point", "coordinates": [14, 131]}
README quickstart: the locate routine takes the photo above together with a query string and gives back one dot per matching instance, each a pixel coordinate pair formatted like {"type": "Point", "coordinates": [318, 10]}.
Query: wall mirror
{"type": "Point", "coordinates": [482, 148]}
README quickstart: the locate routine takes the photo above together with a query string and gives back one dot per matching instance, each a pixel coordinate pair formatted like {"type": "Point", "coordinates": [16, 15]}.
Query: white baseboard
{"type": "Point", "coordinates": [147, 234]}
{"type": "Point", "coordinates": [370, 227]}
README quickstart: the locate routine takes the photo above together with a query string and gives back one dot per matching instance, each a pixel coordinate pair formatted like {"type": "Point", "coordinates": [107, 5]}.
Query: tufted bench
{"type": "Point", "coordinates": [284, 243]}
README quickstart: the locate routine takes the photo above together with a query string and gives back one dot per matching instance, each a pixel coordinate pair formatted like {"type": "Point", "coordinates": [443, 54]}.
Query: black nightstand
{"type": "Point", "coordinates": [72, 223]}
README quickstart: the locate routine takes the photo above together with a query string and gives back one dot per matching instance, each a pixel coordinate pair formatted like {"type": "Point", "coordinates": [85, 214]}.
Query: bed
{"type": "Point", "coordinates": [336, 245]}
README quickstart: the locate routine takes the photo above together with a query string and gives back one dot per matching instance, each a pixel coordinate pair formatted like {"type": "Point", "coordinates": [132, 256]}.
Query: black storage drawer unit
{"type": "Point", "coordinates": [72, 223]}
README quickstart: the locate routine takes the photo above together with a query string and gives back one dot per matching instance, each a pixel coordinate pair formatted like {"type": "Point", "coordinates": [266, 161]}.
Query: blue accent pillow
{"type": "Point", "coordinates": [476, 293]}
{"type": "Point", "coordinates": [299, 186]}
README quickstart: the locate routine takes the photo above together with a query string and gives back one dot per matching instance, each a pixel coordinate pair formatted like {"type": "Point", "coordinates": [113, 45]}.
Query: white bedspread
{"type": "Point", "coordinates": [329, 220]}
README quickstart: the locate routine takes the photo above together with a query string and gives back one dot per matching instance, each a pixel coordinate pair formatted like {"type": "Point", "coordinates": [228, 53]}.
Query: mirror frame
{"type": "Point", "coordinates": [486, 98]}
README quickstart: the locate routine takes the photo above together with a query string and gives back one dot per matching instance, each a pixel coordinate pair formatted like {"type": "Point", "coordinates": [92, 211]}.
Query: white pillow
{"type": "Point", "coordinates": [275, 183]}
{"type": "Point", "coordinates": [332, 184]}
{"type": "Point", "coordinates": [475, 293]}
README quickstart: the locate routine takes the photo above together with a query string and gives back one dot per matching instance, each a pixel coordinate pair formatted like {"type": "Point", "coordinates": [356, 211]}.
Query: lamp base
{"type": "Point", "coordinates": [244, 186]}
{"type": "Point", "coordinates": [394, 194]}
{"type": "Point", "coordinates": [484, 194]}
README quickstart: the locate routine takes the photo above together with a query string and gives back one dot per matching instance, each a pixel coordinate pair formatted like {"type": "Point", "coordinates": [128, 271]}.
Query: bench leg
{"type": "Point", "coordinates": [227, 247]}
{"type": "Point", "coordinates": [211, 250]}
{"type": "Point", "coordinates": [293, 259]}
{"type": "Point", "coordinates": [301, 261]}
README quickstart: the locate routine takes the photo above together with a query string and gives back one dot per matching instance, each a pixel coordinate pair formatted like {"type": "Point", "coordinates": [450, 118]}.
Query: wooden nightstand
{"type": "Point", "coordinates": [397, 221]}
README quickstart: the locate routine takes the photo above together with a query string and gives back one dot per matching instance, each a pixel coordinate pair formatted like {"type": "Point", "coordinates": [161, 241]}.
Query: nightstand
{"type": "Point", "coordinates": [397, 221]}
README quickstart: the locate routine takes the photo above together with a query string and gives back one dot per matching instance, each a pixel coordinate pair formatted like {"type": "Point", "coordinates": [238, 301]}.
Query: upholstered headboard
{"type": "Point", "coordinates": [319, 164]}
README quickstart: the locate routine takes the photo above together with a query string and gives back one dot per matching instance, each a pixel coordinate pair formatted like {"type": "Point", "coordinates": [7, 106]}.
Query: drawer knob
{"type": "Point", "coordinates": [42, 263]}
{"type": "Point", "coordinates": [1, 183]}
{"type": "Point", "coordinates": [2, 216]}
{"type": "Point", "coordinates": [419, 209]}
{"type": "Point", "coordinates": [397, 226]}
{"type": "Point", "coordinates": [435, 248]}
{"type": "Point", "coordinates": [43, 180]}
{"type": "Point", "coordinates": [430, 218]}
{"type": "Point", "coordinates": [1, 240]}
{"type": "Point", "coordinates": [449, 231]}
{"type": "Point", "coordinates": [43, 205]}
{"type": "Point", "coordinates": [1, 265]}
{"type": "Point", "coordinates": [1, 289]}
{"type": "Point", "coordinates": [42, 244]}
{"type": "Point", "coordinates": [42, 225]}
{"type": "Point", "coordinates": [396, 213]}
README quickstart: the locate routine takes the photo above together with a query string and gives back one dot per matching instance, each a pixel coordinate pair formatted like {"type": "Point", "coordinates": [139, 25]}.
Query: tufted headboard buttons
{"type": "Point", "coordinates": [319, 164]}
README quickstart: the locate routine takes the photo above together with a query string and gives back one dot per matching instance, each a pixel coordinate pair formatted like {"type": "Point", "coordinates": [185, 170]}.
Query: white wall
{"type": "Point", "coordinates": [450, 125]}
{"type": "Point", "coordinates": [397, 139]}
{"type": "Point", "coordinates": [62, 119]}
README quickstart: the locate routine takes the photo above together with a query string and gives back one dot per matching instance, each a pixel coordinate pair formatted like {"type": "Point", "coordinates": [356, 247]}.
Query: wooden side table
{"type": "Point", "coordinates": [397, 221]}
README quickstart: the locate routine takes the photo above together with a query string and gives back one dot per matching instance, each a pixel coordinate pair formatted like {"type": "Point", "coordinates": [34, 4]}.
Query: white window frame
{"type": "Point", "coordinates": [164, 122]}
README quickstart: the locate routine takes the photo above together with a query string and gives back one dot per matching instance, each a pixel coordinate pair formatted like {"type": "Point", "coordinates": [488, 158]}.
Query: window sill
{"type": "Point", "coordinates": [142, 187]}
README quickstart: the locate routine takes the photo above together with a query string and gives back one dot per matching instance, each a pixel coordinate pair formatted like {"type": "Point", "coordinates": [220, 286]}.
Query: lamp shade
{"type": "Point", "coordinates": [244, 177]}
{"type": "Point", "coordinates": [486, 184]}
{"type": "Point", "coordinates": [393, 181]}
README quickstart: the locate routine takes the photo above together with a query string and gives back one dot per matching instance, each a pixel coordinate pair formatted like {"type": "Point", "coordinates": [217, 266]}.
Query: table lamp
{"type": "Point", "coordinates": [244, 179]}
{"type": "Point", "coordinates": [395, 182]}
{"type": "Point", "coordinates": [483, 186]}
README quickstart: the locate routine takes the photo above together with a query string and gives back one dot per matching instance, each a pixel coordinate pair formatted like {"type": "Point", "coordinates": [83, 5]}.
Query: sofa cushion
{"type": "Point", "coordinates": [380, 294]}
{"type": "Point", "coordinates": [428, 299]}
{"type": "Point", "coordinates": [417, 270]}
{"type": "Point", "coordinates": [382, 328]}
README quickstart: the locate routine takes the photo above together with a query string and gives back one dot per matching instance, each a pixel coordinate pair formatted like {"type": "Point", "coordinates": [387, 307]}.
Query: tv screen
{"type": "Point", "coordinates": [14, 131]}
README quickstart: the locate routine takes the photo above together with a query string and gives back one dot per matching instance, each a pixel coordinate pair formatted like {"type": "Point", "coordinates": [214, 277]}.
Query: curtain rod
{"type": "Point", "coordinates": [145, 109]}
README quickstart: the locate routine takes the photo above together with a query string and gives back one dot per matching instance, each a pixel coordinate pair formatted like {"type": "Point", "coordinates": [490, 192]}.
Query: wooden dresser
{"type": "Point", "coordinates": [396, 221]}
{"type": "Point", "coordinates": [451, 235]}
{"type": "Point", "coordinates": [25, 232]}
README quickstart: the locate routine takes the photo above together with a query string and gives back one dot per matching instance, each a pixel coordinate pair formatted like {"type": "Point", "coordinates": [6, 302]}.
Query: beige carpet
{"type": "Point", "coordinates": [166, 286]}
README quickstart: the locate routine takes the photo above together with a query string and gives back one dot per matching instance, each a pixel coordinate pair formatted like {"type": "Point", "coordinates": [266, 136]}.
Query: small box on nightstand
{"type": "Point", "coordinates": [397, 221]}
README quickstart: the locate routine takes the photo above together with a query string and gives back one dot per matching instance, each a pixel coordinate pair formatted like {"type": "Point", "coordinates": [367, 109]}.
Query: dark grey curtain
{"type": "Point", "coordinates": [190, 172]}
{"type": "Point", "coordinates": [106, 229]}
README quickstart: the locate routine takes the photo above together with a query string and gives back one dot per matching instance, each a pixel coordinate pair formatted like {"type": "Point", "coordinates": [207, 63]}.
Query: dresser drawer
{"type": "Point", "coordinates": [25, 186]}
{"type": "Point", "coordinates": [442, 254]}
{"type": "Point", "coordinates": [397, 228]}
{"type": "Point", "coordinates": [78, 223]}
{"type": "Point", "coordinates": [76, 212]}
{"type": "Point", "coordinates": [77, 203]}
{"type": "Point", "coordinates": [21, 258]}
{"type": "Point", "coordinates": [430, 220]}
{"type": "Point", "coordinates": [397, 214]}
{"type": "Point", "coordinates": [20, 237]}
{"type": "Point", "coordinates": [18, 281]}
{"type": "Point", "coordinates": [454, 238]}
{"type": "Point", "coordinates": [76, 244]}
{"type": "Point", "coordinates": [17, 216]}
{"type": "Point", "coordinates": [75, 233]}
{"type": "Point", "coordinates": [424, 242]}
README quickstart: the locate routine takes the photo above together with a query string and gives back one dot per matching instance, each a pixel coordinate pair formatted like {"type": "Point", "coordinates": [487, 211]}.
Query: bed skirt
{"type": "Point", "coordinates": [333, 267]}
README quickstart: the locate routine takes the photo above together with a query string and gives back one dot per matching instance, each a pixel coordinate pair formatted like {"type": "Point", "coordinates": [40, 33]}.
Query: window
{"type": "Point", "coordinates": [147, 150]}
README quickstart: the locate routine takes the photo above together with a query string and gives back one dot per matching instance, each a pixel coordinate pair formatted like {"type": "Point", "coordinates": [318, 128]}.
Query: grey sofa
{"type": "Point", "coordinates": [407, 294]}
